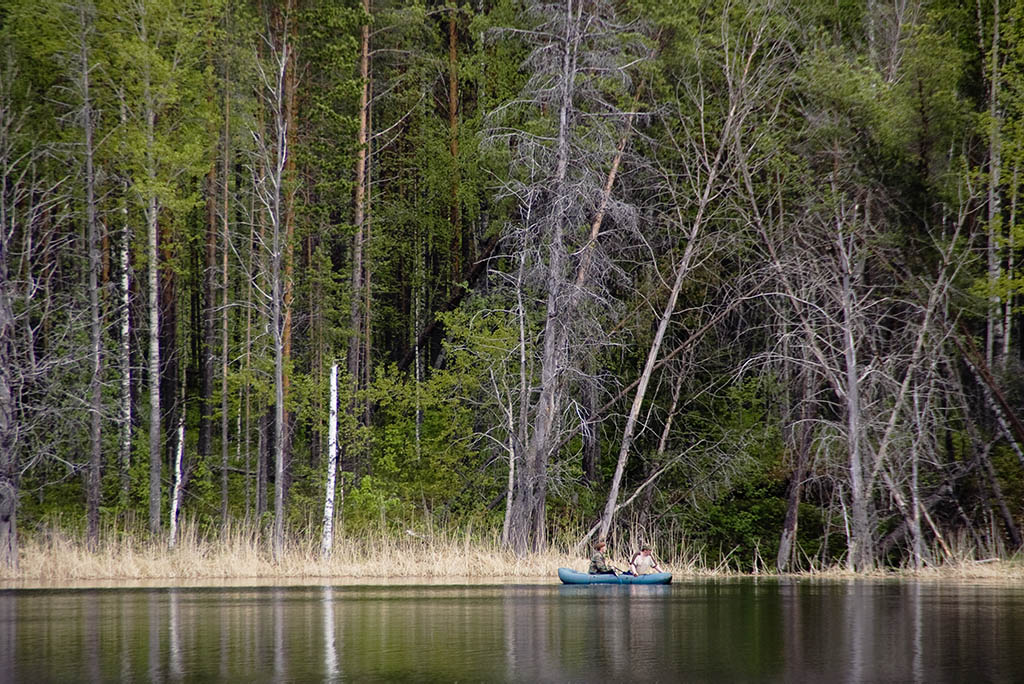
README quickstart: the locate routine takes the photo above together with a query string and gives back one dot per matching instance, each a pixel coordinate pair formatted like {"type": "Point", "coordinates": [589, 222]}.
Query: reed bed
{"type": "Point", "coordinates": [53, 556]}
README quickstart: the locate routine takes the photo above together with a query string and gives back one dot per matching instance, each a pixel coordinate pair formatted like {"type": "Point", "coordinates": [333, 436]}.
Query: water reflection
{"type": "Point", "coordinates": [751, 630]}
{"type": "Point", "coordinates": [330, 646]}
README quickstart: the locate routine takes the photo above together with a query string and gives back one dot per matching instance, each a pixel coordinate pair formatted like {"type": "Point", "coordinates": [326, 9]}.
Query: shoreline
{"type": "Point", "coordinates": [984, 573]}
{"type": "Point", "coordinates": [55, 559]}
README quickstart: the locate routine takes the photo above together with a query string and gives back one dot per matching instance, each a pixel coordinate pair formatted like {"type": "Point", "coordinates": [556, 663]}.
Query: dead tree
{"type": "Point", "coordinates": [272, 143]}
{"type": "Point", "coordinates": [555, 180]}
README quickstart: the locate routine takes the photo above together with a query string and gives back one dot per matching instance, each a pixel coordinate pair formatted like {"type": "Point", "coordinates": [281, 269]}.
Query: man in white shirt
{"type": "Point", "coordinates": [643, 563]}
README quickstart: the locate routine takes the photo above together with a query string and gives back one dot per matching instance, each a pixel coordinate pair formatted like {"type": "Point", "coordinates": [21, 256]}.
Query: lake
{"type": "Point", "coordinates": [737, 630]}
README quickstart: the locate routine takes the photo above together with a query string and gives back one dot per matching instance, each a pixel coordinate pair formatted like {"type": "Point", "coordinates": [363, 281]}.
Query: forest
{"type": "Point", "coordinates": [740, 275]}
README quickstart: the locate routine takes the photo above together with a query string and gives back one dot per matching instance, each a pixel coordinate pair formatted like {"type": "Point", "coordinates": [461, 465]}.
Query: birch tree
{"type": "Point", "coordinates": [154, 50]}
{"type": "Point", "coordinates": [327, 535]}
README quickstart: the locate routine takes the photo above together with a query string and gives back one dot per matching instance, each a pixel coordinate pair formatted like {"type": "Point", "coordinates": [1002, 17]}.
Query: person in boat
{"type": "Point", "coordinates": [598, 562]}
{"type": "Point", "coordinates": [643, 563]}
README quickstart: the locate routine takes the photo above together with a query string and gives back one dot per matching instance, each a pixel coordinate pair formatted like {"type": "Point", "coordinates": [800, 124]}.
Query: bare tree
{"type": "Point", "coordinates": [868, 342]}
{"type": "Point", "coordinates": [559, 183]}
{"type": "Point", "coordinates": [34, 401]}
{"type": "Point", "coordinates": [269, 170]}
{"type": "Point", "coordinates": [15, 170]}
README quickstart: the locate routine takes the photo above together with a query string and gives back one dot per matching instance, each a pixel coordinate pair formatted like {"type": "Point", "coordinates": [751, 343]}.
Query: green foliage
{"type": "Point", "coordinates": [888, 112]}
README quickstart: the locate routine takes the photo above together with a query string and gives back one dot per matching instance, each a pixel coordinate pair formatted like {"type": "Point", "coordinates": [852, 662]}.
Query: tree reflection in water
{"type": "Point", "coordinates": [736, 630]}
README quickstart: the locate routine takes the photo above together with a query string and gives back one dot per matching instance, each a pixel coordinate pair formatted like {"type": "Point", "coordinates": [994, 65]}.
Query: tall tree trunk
{"type": "Point", "coordinates": [225, 248]}
{"type": "Point", "coordinates": [279, 425]}
{"type": "Point", "coordinates": [290, 90]}
{"type": "Point", "coordinates": [517, 429]}
{"type": "Point", "coordinates": [367, 358]}
{"type": "Point", "coordinates": [95, 332]}
{"type": "Point", "coordinates": [993, 341]}
{"type": "Point", "coordinates": [208, 312]}
{"type": "Point", "coordinates": [8, 461]}
{"type": "Point", "coordinates": [682, 271]}
{"type": "Point", "coordinates": [645, 376]}
{"type": "Point", "coordinates": [153, 277]}
{"type": "Point", "coordinates": [861, 545]}
{"type": "Point", "coordinates": [171, 357]}
{"type": "Point", "coordinates": [455, 209]}
{"type": "Point", "coordinates": [359, 209]}
{"type": "Point", "coordinates": [527, 529]}
{"type": "Point", "coordinates": [249, 304]}
{"type": "Point", "coordinates": [276, 204]}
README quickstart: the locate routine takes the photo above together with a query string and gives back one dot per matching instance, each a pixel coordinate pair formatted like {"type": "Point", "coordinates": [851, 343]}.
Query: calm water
{"type": "Point", "coordinates": [708, 631]}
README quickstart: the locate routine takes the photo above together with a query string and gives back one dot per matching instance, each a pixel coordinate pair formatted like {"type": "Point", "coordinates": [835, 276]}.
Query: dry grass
{"type": "Point", "coordinates": [55, 557]}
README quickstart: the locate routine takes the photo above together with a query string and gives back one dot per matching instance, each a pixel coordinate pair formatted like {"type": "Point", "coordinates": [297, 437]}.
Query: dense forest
{"type": "Point", "coordinates": [739, 275]}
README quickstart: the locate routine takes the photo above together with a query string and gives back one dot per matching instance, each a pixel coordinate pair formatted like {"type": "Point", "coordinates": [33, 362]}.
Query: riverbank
{"type": "Point", "coordinates": [54, 558]}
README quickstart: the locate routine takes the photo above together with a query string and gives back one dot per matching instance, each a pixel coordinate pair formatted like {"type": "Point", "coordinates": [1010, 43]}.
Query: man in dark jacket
{"type": "Point", "coordinates": [598, 563]}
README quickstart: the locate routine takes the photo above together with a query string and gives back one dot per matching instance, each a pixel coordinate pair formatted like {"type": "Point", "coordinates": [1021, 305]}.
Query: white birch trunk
{"type": "Point", "coordinates": [176, 492]}
{"type": "Point", "coordinates": [124, 352]}
{"type": "Point", "coordinates": [327, 540]}
{"type": "Point", "coordinates": [153, 277]}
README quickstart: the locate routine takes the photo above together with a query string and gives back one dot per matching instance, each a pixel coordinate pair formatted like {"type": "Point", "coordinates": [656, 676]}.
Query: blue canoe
{"type": "Point", "coordinates": [570, 576]}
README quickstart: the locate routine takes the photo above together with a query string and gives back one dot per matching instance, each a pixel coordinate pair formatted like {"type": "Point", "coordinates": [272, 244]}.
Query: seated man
{"type": "Point", "coordinates": [643, 563]}
{"type": "Point", "coordinates": [598, 563]}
